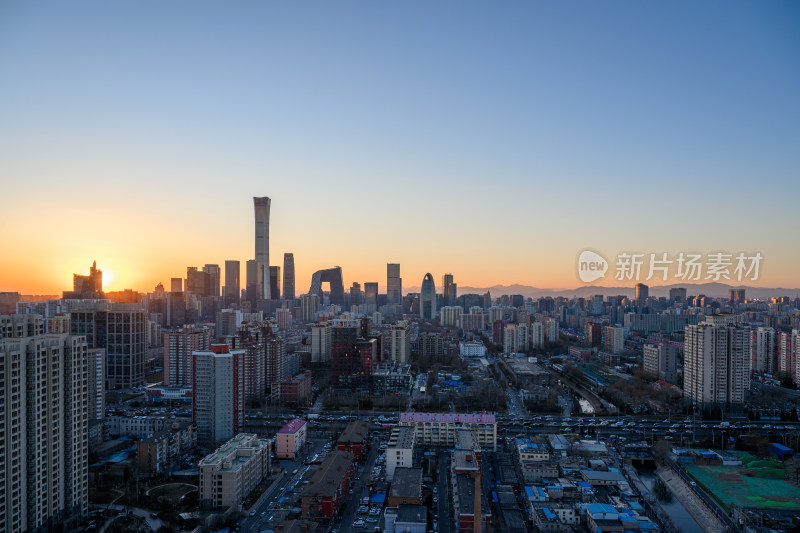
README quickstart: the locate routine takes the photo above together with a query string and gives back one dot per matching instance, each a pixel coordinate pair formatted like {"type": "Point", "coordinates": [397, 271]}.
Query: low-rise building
{"type": "Point", "coordinates": [406, 518]}
{"type": "Point", "coordinates": [463, 490]}
{"type": "Point", "coordinates": [354, 439]}
{"type": "Point", "coordinates": [528, 451]}
{"type": "Point", "coordinates": [138, 426]}
{"type": "Point", "coordinates": [326, 492]}
{"type": "Point", "coordinates": [229, 474]}
{"type": "Point", "coordinates": [439, 429]}
{"type": "Point", "coordinates": [162, 451]}
{"type": "Point", "coordinates": [295, 390]}
{"type": "Point", "coordinates": [290, 439]}
{"type": "Point", "coordinates": [406, 487]}
{"type": "Point", "coordinates": [400, 450]}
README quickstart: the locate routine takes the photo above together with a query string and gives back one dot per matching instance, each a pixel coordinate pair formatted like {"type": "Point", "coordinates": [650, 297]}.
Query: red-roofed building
{"type": "Point", "coordinates": [290, 439]}
{"type": "Point", "coordinates": [354, 439]}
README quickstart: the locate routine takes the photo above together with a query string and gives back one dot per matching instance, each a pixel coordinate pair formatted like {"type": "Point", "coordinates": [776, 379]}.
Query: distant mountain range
{"type": "Point", "coordinates": [714, 290]}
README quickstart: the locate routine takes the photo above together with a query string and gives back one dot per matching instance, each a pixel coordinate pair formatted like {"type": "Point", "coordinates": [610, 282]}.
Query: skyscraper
{"type": "Point", "coordinates": [255, 282]}
{"type": "Point", "coordinates": [427, 298]}
{"type": "Point", "coordinates": [371, 294]}
{"type": "Point", "coordinates": [355, 294]}
{"type": "Point", "coordinates": [275, 282]}
{"type": "Point", "coordinates": [394, 284]}
{"type": "Point", "coordinates": [261, 206]}
{"type": "Point", "coordinates": [642, 292]}
{"type": "Point", "coordinates": [677, 294]}
{"type": "Point", "coordinates": [176, 285]}
{"type": "Point", "coordinates": [214, 275]}
{"type": "Point", "coordinates": [448, 290]}
{"type": "Point", "coordinates": [288, 277]}
{"type": "Point", "coordinates": [179, 347]}
{"type": "Point", "coordinates": [232, 282]}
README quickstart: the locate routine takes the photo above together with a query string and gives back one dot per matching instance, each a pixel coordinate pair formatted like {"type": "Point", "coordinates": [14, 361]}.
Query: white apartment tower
{"type": "Point", "coordinates": [716, 364]}
{"type": "Point", "coordinates": [400, 342]}
{"type": "Point", "coordinates": [218, 399]}
{"type": "Point", "coordinates": [44, 386]}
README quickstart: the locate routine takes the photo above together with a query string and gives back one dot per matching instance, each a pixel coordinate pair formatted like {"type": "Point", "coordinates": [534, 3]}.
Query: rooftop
{"type": "Point", "coordinates": [234, 453]}
{"type": "Point", "coordinates": [408, 513]}
{"type": "Point", "coordinates": [458, 418]}
{"type": "Point", "coordinates": [402, 437]}
{"type": "Point", "coordinates": [406, 483]}
{"type": "Point", "coordinates": [466, 439]}
{"type": "Point", "coordinates": [293, 426]}
{"type": "Point", "coordinates": [329, 476]}
{"type": "Point", "coordinates": [296, 526]}
{"type": "Point", "coordinates": [356, 431]}
{"type": "Point", "coordinates": [464, 460]}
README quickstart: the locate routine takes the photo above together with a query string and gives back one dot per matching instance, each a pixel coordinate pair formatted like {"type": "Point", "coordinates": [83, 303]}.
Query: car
{"type": "Point", "coordinates": [359, 523]}
{"type": "Point", "coordinates": [252, 513]}
{"type": "Point", "coordinates": [692, 483]}
{"type": "Point", "coordinates": [362, 510]}
{"type": "Point", "coordinates": [435, 490]}
{"type": "Point", "coordinates": [372, 520]}
{"type": "Point", "coordinates": [435, 499]}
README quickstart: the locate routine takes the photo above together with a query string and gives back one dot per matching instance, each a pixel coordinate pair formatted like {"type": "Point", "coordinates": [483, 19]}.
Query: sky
{"type": "Point", "coordinates": [493, 141]}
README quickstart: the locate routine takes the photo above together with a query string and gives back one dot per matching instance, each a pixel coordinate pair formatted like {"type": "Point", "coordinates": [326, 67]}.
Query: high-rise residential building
{"type": "Point", "coordinates": [120, 329]}
{"type": "Point", "coordinates": [262, 206]}
{"type": "Point", "coordinates": [179, 347]}
{"type": "Point", "coordinates": [97, 383]}
{"type": "Point", "coordinates": [284, 318]}
{"type": "Point", "coordinates": [288, 276]}
{"type": "Point", "coordinates": [763, 350]}
{"type": "Point", "coordinates": [537, 334]}
{"type": "Point", "coordinates": [321, 342]}
{"type": "Point", "coordinates": [787, 350]}
{"type": "Point", "coordinates": [677, 294]}
{"type": "Point", "coordinates": [716, 363]}
{"type": "Point", "coordinates": [614, 339]}
{"type": "Point", "coordinates": [176, 285]}
{"type": "Point", "coordinates": [275, 359]}
{"type": "Point", "coordinates": [736, 296]}
{"type": "Point", "coordinates": [250, 339]}
{"type": "Point", "coordinates": [450, 315]}
{"type": "Point", "coordinates": [275, 282]}
{"type": "Point", "coordinates": [218, 398]}
{"type": "Point", "coordinates": [427, 298]}
{"type": "Point", "coordinates": [232, 282]}
{"type": "Point", "coordinates": [594, 333]}
{"type": "Point", "coordinates": [213, 272]}
{"type": "Point", "coordinates": [400, 342]}
{"type": "Point", "coordinates": [255, 282]}
{"type": "Point", "coordinates": [309, 304]}
{"type": "Point", "coordinates": [660, 360]}
{"type": "Point", "coordinates": [44, 452]}
{"type": "Point", "coordinates": [228, 321]}
{"type": "Point", "coordinates": [449, 290]}
{"type": "Point", "coordinates": [475, 320]}
{"type": "Point", "coordinates": [394, 284]}
{"type": "Point", "coordinates": [642, 292]}
{"type": "Point", "coordinates": [371, 294]}
{"type": "Point", "coordinates": [551, 329]}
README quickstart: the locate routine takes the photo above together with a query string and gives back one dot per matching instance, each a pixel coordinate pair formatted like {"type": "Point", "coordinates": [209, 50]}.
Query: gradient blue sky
{"type": "Point", "coordinates": [494, 141]}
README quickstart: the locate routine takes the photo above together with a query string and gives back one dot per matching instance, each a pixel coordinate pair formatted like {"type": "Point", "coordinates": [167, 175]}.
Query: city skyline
{"type": "Point", "coordinates": [547, 129]}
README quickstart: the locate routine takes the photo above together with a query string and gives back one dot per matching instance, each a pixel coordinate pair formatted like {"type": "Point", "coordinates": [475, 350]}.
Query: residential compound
{"type": "Point", "coordinates": [439, 429]}
{"type": "Point", "coordinates": [230, 473]}
{"type": "Point", "coordinates": [326, 492]}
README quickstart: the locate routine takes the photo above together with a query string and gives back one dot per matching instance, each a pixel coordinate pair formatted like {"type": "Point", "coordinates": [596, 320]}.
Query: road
{"type": "Point", "coordinates": [443, 487]}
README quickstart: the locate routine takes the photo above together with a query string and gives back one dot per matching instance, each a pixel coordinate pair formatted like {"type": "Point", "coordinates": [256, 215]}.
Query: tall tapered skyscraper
{"type": "Point", "coordinates": [261, 206]}
{"type": "Point", "coordinates": [288, 276]}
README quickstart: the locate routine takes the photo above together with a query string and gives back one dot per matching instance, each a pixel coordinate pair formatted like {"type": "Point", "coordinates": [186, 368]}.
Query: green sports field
{"type": "Point", "coordinates": [757, 483]}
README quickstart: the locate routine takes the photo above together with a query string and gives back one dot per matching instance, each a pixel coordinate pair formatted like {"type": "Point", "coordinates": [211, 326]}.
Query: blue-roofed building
{"type": "Point", "coordinates": [558, 518]}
